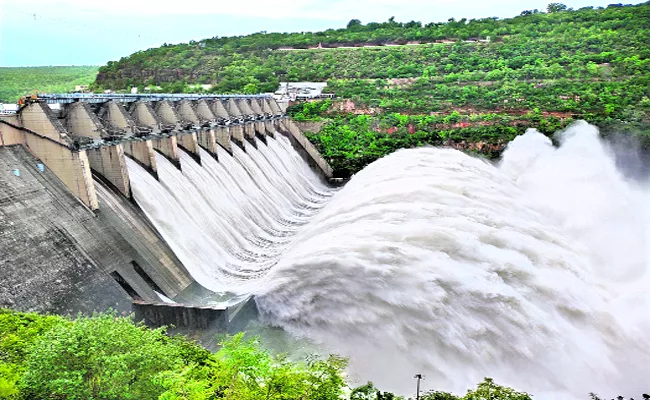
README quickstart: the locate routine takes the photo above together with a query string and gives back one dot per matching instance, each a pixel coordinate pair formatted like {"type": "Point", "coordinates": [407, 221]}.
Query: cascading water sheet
{"type": "Point", "coordinates": [228, 221]}
{"type": "Point", "coordinates": [430, 261]}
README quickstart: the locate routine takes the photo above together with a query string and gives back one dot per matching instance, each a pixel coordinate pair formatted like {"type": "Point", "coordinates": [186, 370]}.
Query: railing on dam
{"type": "Point", "coordinates": [130, 97]}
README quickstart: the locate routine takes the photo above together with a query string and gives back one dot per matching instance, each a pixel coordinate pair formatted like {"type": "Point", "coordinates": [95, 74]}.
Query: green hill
{"type": "Point", "coordinates": [20, 81]}
{"type": "Point", "coordinates": [563, 44]}
{"type": "Point", "coordinates": [471, 84]}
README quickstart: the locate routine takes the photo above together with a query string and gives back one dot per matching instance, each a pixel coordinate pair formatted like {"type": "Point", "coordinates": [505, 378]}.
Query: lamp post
{"type": "Point", "coordinates": [419, 377]}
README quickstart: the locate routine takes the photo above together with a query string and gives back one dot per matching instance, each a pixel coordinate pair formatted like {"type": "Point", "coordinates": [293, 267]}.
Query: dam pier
{"type": "Point", "coordinates": [72, 236]}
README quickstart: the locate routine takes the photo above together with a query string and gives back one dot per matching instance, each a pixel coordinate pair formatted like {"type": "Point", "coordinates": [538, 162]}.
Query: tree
{"type": "Point", "coordinates": [490, 390]}
{"type": "Point", "coordinates": [486, 390]}
{"type": "Point", "coordinates": [364, 392]}
{"type": "Point", "coordinates": [354, 23]}
{"type": "Point", "coordinates": [242, 370]}
{"type": "Point", "coordinates": [436, 395]}
{"type": "Point", "coordinates": [101, 357]}
{"type": "Point", "coordinates": [556, 7]}
{"type": "Point", "coordinates": [250, 88]}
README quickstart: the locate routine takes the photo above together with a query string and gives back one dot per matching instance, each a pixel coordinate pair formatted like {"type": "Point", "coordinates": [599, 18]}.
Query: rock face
{"type": "Point", "coordinates": [120, 77]}
{"type": "Point", "coordinates": [488, 149]}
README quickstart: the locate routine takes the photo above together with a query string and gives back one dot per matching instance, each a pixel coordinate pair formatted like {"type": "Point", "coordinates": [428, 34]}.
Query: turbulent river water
{"type": "Point", "coordinates": [534, 272]}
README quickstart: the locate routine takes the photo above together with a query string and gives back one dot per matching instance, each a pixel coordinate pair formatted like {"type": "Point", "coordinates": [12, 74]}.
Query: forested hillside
{"type": "Point", "coordinates": [480, 82]}
{"type": "Point", "coordinates": [20, 81]}
{"type": "Point", "coordinates": [562, 44]}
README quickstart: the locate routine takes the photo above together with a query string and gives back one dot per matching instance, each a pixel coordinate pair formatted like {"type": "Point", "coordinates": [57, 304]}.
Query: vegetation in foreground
{"type": "Point", "coordinates": [110, 357]}
{"type": "Point", "coordinates": [21, 81]}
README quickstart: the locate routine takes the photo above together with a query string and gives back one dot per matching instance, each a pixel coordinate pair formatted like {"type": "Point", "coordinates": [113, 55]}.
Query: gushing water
{"type": "Point", "coordinates": [228, 221]}
{"type": "Point", "coordinates": [533, 272]}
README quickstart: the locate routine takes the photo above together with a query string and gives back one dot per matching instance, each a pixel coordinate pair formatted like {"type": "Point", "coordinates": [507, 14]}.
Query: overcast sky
{"type": "Point", "coordinates": [93, 32]}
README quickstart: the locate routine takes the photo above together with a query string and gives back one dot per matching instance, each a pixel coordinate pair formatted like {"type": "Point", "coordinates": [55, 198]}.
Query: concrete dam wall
{"type": "Point", "coordinates": [58, 256]}
{"type": "Point", "coordinates": [74, 239]}
{"type": "Point", "coordinates": [41, 266]}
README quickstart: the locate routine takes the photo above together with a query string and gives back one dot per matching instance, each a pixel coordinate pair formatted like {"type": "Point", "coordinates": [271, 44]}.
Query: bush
{"type": "Point", "coordinates": [101, 357]}
{"type": "Point", "coordinates": [486, 390]}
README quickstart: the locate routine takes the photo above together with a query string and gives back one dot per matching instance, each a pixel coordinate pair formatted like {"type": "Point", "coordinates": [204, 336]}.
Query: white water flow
{"type": "Point", "coordinates": [533, 272]}
{"type": "Point", "coordinates": [228, 221]}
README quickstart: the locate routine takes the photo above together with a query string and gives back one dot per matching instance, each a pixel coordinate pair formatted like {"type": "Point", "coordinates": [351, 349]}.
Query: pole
{"type": "Point", "coordinates": [417, 392]}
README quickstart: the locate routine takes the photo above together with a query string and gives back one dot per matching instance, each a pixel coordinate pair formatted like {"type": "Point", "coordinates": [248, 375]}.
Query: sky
{"type": "Point", "coordinates": [92, 32]}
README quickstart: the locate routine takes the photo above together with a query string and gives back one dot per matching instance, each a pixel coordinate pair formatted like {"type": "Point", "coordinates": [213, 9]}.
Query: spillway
{"type": "Point", "coordinates": [229, 221]}
{"type": "Point", "coordinates": [533, 272]}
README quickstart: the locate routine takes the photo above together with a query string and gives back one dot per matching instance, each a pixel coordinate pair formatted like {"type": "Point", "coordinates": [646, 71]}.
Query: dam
{"type": "Point", "coordinates": [533, 271]}
{"type": "Point", "coordinates": [163, 204]}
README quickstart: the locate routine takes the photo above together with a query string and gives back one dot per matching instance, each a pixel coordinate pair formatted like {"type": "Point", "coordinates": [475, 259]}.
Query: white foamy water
{"type": "Point", "coordinates": [229, 221]}
{"type": "Point", "coordinates": [533, 272]}
{"type": "Point", "coordinates": [430, 261]}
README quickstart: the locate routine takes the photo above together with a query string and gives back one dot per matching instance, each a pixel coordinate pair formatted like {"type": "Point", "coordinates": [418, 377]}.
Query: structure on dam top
{"type": "Point", "coordinates": [91, 134]}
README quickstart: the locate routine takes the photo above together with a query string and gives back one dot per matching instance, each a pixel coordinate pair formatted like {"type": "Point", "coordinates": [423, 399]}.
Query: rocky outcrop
{"type": "Point", "coordinates": [485, 148]}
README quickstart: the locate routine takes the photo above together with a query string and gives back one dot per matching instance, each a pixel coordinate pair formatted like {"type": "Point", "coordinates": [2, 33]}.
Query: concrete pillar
{"type": "Point", "coordinates": [237, 135]}
{"type": "Point", "coordinates": [117, 116]}
{"type": "Point", "coordinates": [207, 140]}
{"type": "Point", "coordinates": [283, 105]}
{"type": "Point", "coordinates": [219, 109]}
{"type": "Point", "coordinates": [203, 110]}
{"type": "Point", "coordinates": [266, 106]}
{"type": "Point", "coordinates": [249, 133]}
{"type": "Point", "coordinates": [168, 147]}
{"type": "Point", "coordinates": [82, 180]}
{"type": "Point", "coordinates": [260, 131]}
{"type": "Point", "coordinates": [168, 114]}
{"type": "Point", "coordinates": [142, 152]}
{"type": "Point", "coordinates": [70, 166]}
{"type": "Point", "coordinates": [145, 116]}
{"type": "Point", "coordinates": [245, 107]}
{"type": "Point", "coordinates": [81, 121]}
{"type": "Point", "coordinates": [233, 108]}
{"type": "Point", "coordinates": [275, 107]}
{"type": "Point", "coordinates": [187, 112]}
{"type": "Point", "coordinates": [10, 134]}
{"type": "Point", "coordinates": [269, 128]}
{"type": "Point", "coordinates": [109, 163]}
{"type": "Point", "coordinates": [255, 106]}
{"type": "Point", "coordinates": [306, 149]}
{"type": "Point", "coordinates": [188, 141]}
{"type": "Point", "coordinates": [223, 136]}
{"type": "Point", "coordinates": [279, 126]}
{"type": "Point", "coordinates": [38, 117]}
